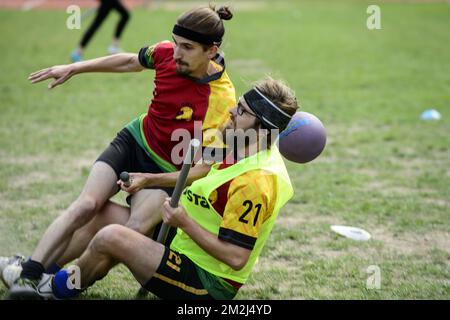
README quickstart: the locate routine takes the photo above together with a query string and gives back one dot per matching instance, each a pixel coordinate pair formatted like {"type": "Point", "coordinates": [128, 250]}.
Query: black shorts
{"type": "Point", "coordinates": [125, 154]}
{"type": "Point", "coordinates": [178, 278]}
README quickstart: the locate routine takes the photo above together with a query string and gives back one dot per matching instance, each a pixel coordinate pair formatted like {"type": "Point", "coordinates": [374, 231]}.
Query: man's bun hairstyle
{"type": "Point", "coordinates": [224, 13]}
{"type": "Point", "coordinates": [206, 21]}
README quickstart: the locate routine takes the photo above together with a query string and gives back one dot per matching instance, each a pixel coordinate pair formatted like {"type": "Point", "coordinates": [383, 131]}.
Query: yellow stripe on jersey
{"type": "Point", "coordinates": [251, 201]}
{"type": "Point", "coordinates": [221, 100]}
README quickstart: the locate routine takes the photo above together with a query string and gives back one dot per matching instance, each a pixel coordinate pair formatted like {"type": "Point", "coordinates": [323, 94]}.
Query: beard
{"type": "Point", "coordinates": [185, 73]}
{"type": "Point", "coordinates": [182, 68]}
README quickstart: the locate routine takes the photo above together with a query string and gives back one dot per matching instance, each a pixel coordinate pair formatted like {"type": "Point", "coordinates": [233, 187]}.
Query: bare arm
{"type": "Point", "coordinates": [234, 256]}
{"type": "Point", "coordinates": [122, 62]}
{"type": "Point", "coordinates": [141, 180]}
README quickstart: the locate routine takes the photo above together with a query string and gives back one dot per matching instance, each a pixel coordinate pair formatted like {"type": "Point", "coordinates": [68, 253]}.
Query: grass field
{"type": "Point", "coordinates": [383, 169]}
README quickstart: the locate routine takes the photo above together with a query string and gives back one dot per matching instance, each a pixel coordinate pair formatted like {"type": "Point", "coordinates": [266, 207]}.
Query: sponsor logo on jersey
{"type": "Point", "coordinates": [198, 200]}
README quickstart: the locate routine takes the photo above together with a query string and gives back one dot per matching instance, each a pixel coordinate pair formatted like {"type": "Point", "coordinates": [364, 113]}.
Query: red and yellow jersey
{"type": "Point", "coordinates": [244, 204]}
{"type": "Point", "coordinates": [178, 101]}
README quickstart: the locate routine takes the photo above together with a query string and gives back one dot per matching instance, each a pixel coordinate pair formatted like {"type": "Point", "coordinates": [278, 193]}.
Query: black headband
{"type": "Point", "coordinates": [270, 115]}
{"type": "Point", "coordinates": [195, 36]}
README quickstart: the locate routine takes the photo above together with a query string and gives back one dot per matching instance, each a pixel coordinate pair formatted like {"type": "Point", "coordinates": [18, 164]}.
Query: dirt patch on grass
{"type": "Point", "coordinates": [398, 190]}
{"type": "Point", "coordinates": [408, 243]}
{"type": "Point", "coordinates": [290, 221]}
{"type": "Point", "coordinates": [367, 172]}
{"type": "Point", "coordinates": [353, 152]}
{"type": "Point", "coordinates": [438, 202]}
{"type": "Point", "coordinates": [412, 166]}
{"type": "Point", "coordinates": [26, 160]}
{"type": "Point", "coordinates": [267, 263]}
{"type": "Point", "coordinates": [382, 243]}
{"type": "Point", "coordinates": [318, 239]}
{"type": "Point", "coordinates": [298, 220]}
{"type": "Point", "coordinates": [22, 181]}
{"type": "Point", "coordinates": [51, 168]}
{"type": "Point", "coordinates": [375, 185]}
{"type": "Point", "coordinates": [383, 188]}
{"type": "Point", "coordinates": [75, 166]}
{"type": "Point", "coordinates": [84, 161]}
{"type": "Point", "coordinates": [322, 247]}
{"type": "Point", "coordinates": [47, 201]}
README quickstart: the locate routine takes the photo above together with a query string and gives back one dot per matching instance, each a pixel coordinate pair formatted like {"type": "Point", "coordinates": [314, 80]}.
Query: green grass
{"type": "Point", "coordinates": [383, 169]}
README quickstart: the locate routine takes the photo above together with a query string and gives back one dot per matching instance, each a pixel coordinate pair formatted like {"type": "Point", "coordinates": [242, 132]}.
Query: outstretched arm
{"type": "Point", "coordinates": [141, 180]}
{"type": "Point", "coordinates": [122, 62]}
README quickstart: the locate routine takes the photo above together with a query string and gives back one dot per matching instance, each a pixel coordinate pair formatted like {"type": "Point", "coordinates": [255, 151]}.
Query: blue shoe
{"type": "Point", "coordinates": [75, 56]}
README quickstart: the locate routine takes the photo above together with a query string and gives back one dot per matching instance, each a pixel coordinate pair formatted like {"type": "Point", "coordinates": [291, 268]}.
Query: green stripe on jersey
{"type": "Point", "coordinates": [136, 129]}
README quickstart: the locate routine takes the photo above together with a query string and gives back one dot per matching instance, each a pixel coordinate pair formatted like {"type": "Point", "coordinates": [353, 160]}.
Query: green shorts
{"type": "Point", "coordinates": [178, 278]}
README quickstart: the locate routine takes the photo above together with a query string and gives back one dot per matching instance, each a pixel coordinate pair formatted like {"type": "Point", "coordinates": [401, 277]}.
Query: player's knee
{"type": "Point", "coordinates": [160, 196]}
{"type": "Point", "coordinates": [108, 238]}
{"type": "Point", "coordinates": [138, 226]}
{"type": "Point", "coordinates": [146, 218]}
{"type": "Point", "coordinates": [84, 209]}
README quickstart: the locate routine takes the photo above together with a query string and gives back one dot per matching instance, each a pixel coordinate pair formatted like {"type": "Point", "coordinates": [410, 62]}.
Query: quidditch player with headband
{"type": "Point", "coordinates": [190, 85]}
{"type": "Point", "coordinates": [223, 221]}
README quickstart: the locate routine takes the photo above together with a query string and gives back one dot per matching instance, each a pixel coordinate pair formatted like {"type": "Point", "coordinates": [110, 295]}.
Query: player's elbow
{"type": "Point", "coordinates": [236, 257]}
{"type": "Point", "coordinates": [133, 64]}
{"type": "Point", "coordinates": [238, 262]}
{"type": "Point", "coordinates": [236, 266]}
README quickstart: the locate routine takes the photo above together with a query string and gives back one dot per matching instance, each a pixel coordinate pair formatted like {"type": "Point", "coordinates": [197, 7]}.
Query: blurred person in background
{"type": "Point", "coordinates": [106, 6]}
